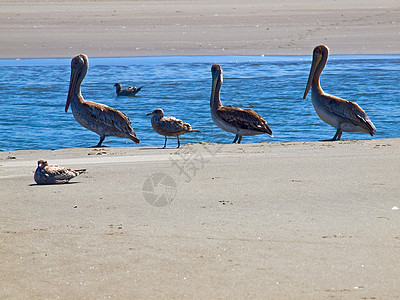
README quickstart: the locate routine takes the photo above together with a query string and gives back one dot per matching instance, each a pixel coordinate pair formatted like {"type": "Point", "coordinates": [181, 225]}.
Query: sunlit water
{"type": "Point", "coordinates": [33, 94]}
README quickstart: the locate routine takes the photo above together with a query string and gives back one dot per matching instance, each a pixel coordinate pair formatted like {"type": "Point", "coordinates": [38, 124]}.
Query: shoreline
{"type": "Point", "coordinates": [150, 147]}
{"type": "Point", "coordinates": [368, 56]}
{"type": "Point", "coordinates": [342, 55]}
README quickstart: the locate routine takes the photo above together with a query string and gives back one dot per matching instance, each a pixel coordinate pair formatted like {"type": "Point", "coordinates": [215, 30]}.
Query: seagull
{"type": "Point", "coordinates": [169, 126]}
{"type": "Point", "coordinates": [46, 174]}
{"type": "Point", "coordinates": [129, 91]}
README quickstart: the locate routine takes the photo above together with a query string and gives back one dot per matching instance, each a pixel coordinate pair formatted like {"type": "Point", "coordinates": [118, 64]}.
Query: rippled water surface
{"type": "Point", "coordinates": [33, 95]}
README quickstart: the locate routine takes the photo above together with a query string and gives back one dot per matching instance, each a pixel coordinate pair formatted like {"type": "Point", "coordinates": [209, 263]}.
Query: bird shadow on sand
{"type": "Point", "coordinates": [99, 147]}
{"type": "Point", "coordinates": [162, 148]}
{"type": "Point", "coordinates": [57, 184]}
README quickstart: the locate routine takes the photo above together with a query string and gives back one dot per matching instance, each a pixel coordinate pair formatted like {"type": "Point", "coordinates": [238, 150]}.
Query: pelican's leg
{"type": "Point", "coordinates": [240, 139]}
{"type": "Point", "coordinates": [179, 143]}
{"type": "Point", "coordinates": [339, 136]}
{"type": "Point", "coordinates": [336, 137]}
{"type": "Point", "coordinates": [102, 137]}
{"type": "Point", "coordinates": [236, 138]}
{"type": "Point", "coordinates": [165, 144]}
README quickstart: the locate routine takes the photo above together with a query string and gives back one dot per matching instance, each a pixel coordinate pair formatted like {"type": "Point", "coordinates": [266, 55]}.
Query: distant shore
{"type": "Point", "coordinates": [33, 29]}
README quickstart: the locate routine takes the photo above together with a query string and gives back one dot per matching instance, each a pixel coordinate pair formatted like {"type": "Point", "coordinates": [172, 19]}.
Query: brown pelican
{"type": "Point", "coordinates": [46, 174]}
{"type": "Point", "coordinates": [169, 126]}
{"type": "Point", "coordinates": [242, 122]}
{"type": "Point", "coordinates": [130, 91]}
{"type": "Point", "coordinates": [99, 118]}
{"type": "Point", "coordinates": [342, 114]}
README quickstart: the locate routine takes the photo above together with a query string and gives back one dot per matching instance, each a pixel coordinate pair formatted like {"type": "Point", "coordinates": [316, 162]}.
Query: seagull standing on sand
{"type": "Point", "coordinates": [344, 115]}
{"type": "Point", "coordinates": [242, 122]}
{"type": "Point", "coordinates": [99, 118]}
{"type": "Point", "coordinates": [46, 174]}
{"type": "Point", "coordinates": [169, 126]}
{"type": "Point", "coordinates": [129, 91]}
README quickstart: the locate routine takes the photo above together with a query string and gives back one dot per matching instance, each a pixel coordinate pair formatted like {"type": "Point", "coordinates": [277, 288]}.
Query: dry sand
{"type": "Point", "coordinates": [308, 220]}
{"type": "Point", "coordinates": [279, 221]}
{"type": "Point", "coordinates": [251, 27]}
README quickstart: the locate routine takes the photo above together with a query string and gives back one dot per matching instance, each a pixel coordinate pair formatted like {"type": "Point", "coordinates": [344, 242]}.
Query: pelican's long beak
{"type": "Point", "coordinates": [314, 65]}
{"type": "Point", "coordinates": [72, 86]}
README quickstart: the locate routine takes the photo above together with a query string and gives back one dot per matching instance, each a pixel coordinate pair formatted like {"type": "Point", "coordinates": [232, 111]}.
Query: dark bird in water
{"type": "Point", "coordinates": [99, 118]}
{"type": "Point", "coordinates": [129, 91]}
{"type": "Point", "coordinates": [345, 116]}
{"type": "Point", "coordinates": [46, 174]}
{"type": "Point", "coordinates": [242, 122]}
{"type": "Point", "coordinates": [169, 126]}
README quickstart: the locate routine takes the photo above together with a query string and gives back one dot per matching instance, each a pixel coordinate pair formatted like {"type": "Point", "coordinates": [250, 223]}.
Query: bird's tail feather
{"type": "Point", "coordinates": [135, 139]}
{"type": "Point", "coordinates": [80, 171]}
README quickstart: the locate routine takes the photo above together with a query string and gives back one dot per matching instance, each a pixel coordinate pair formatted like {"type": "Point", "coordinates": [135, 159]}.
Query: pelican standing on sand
{"type": "Point", "coordinates": [46, 174]}
{"type": "Point", "coordinates": [129, 91]}
{"type": "Point", "coordinates": [169, 126]}
{"type": "Point", "coordinates": [342, 114]}
{"type": "Point", "coordinates": [99, 118]}
{"type": "Point", "coordinates": [242, 122]}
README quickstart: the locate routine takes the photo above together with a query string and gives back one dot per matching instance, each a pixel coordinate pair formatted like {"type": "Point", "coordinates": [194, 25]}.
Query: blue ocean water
{"type": "Point", "coordinates": [33, 93]}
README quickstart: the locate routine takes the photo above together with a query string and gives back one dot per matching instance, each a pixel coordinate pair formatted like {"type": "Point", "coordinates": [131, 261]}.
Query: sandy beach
{"type": "Point", "coordinates": [304, 220]}
{"type": "Point", "coordinates": [311, 220]}
{"type": "Point", "coordinates": [151, 28]}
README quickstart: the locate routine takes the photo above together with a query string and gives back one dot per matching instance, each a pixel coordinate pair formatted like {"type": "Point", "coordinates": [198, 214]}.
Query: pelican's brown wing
{"type": "Point", "coordinates": [246, 119]}
{"type": "Point", "coordinates": [348, 110]}
{"type": "Point", "coordinates": [109, 118]}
